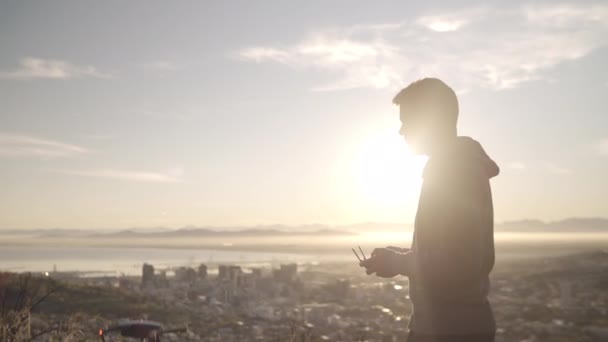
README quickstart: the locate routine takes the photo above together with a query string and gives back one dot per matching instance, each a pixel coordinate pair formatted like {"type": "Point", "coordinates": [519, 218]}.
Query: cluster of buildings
{"type": "Point", "coordinates": [560, 299]}
{"type": "Point", "coordinates": [230, 284]}
{"type": "Point", "coordinates": [563, 299]}
{"type": "Point", "coordinates": [549, 301]}
{"type": "Point", "coordinates": [234, 303]}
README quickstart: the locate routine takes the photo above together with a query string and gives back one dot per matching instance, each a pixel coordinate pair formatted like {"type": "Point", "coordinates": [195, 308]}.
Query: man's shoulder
{"type": "Point", "coordinates": [464, 158]}
{"type": "Point", "coordinates": [450, 169]}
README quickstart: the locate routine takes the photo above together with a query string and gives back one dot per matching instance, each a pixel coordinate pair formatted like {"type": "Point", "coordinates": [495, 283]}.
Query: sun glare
{"type": "Point", "coordinates": [385, 171]}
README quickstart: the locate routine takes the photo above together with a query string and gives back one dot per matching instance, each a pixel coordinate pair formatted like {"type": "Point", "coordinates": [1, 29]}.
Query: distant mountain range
{"type": "Point", "coordinates": [588, 224]}
{"type": "Point", "coordinates": [207, 232]}
{"type": "Point", "coordinates": [572, 225]}
{"type": "Point", "coordinates": [183, 232]}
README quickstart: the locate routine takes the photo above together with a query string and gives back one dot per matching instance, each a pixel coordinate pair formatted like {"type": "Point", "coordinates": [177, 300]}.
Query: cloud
{"type": "Point", "coordinates": [360, 63]}
{"type": "Point", "coordinates": [37, 68]}
{"type": "Point", "coordinates": [18, 145]}
{"type": "Point", "coordinates": [442, 23]}
{"type": "Point", "coordinates": [171, 176]}
{"type": "Point", "coordinates": [496, 48]}
{"type": "Point", "coordinates": [565, 15]}
{"type": "Point", "coordinates": [260, 54]}
{"type": "Point", "coordinates": [602, 147]}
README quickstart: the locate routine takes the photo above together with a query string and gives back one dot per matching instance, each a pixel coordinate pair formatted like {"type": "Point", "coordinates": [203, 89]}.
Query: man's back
{"type": "Point", "coordinates": [453, 243]}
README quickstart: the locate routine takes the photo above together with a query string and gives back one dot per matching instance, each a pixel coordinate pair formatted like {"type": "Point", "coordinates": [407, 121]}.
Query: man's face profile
{"type": "Point", "coordinates": [412, 129]}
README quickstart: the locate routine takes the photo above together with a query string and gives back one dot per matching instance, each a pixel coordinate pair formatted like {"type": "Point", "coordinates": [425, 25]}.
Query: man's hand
{"type": "Point", "coordinates": [384, 262]}
{"type": "Point", "coordinates": [398, 249]}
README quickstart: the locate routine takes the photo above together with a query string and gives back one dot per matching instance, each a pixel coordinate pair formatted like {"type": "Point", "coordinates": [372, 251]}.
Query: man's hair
{"type": "Point", "coordinates": [432, 92]}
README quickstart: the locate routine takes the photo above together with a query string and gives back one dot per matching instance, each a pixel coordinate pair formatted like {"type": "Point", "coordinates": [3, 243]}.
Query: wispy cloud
{"type": "Point", "coordinates": [261, 53]}
{"type": "Point", "coordinates": [37, 68]}
{"type": "Point", "coordinates": [171, 176]}
{"type": "Point", "coordinates": [19, 145]}
{"type": "Point", "coordinates": [450, 22]}
{"type": "Point", "coordinates": [361, 63]}
{"type": "Point", "coordinates": [566, 15]}
{"type": "Point", "coordinates": [602, 147]}
{"type": "Point", "coordinates": [488, 47]}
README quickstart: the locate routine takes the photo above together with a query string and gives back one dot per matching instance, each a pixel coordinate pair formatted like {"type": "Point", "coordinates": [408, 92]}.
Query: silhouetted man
{"type": "Point", "coordinates": [452, 251]}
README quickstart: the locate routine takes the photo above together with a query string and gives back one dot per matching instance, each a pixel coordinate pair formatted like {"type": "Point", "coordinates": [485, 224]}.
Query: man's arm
{"type": "Point", "coordinates": [449, 232]}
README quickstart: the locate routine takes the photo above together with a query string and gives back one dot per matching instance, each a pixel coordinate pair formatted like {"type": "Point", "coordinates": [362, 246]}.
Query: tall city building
{"type": "Point", "coordinates": [202, 271]}
{"type": "Point", "coordinates": [147, 277]}
{"type": "Point", "coordinates": [286, 273]}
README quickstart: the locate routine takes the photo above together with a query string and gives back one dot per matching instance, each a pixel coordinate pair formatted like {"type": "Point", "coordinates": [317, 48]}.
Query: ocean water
{"type": "Point", "coordinates": [128, 261]}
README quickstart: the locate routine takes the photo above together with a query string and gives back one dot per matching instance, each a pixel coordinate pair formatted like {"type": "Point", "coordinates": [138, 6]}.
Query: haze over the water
{"type": "Point", "coordinates": [145, 114]}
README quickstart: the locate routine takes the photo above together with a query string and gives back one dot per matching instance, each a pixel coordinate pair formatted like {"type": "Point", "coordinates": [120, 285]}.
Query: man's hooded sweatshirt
{"type": "Point", "coordinates": [452, 251]}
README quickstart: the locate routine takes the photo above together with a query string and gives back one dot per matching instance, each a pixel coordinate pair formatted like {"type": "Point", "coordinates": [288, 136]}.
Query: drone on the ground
{"type": "Point", "coordinates": [146, 331]}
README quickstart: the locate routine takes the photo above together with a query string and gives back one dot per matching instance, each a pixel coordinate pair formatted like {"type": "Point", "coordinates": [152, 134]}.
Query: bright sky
{"type": "Point", "coordinates": [119, 114]}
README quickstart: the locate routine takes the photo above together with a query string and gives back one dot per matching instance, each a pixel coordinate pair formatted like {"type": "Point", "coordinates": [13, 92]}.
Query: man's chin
{"type": "Point", "coordinates": [416, 150]}
{"type": "Point", "coordinates": [418, 153]}
{"type": "Point", "coordinates": [412, 148]}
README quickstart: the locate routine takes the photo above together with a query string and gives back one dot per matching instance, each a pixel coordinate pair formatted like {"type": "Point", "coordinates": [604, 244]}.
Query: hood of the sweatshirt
{"type": "Point", "coordinates": [464, 153]}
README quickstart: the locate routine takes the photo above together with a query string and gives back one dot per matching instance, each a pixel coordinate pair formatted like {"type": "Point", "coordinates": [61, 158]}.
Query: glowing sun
{"type": "Point", "coordinates": [385, 171]}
